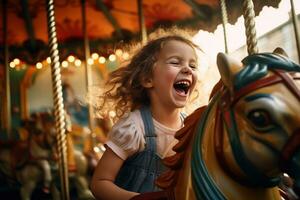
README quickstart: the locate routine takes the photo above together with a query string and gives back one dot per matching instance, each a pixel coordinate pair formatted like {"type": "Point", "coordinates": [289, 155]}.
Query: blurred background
{"type": "Point", "coordinates": [91, 37]}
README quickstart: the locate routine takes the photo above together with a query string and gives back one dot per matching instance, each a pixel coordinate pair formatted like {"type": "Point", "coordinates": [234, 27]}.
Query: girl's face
{"type": "Point", "coordinates": [174, 75]}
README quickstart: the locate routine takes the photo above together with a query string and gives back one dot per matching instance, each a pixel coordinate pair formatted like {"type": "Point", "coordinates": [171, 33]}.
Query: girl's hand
{"type": "Point", "coordinates": [161, 195]}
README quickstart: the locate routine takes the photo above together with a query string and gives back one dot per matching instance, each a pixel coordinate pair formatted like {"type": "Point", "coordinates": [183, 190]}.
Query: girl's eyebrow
{"type": "Point", "coordinates": [173, 56]}
{"type": "Point", "coordinates": [180, 58]}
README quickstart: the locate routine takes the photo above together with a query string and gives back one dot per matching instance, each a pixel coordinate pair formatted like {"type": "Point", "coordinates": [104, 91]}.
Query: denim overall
{"type": "Point", "coordinates": [139, 171]}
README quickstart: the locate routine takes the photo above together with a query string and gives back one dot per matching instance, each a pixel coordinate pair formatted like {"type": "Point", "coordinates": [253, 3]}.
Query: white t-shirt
{"type": "Point", "coordinates": [127, 137]}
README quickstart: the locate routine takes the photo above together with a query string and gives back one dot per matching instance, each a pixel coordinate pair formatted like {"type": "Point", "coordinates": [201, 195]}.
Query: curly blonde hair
{"type": "Point", "coordinates": [123, 90]}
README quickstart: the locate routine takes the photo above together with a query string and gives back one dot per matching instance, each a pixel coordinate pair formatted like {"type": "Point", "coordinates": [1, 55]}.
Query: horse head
{"type": "Point", "coordinates": [259, 106]}
{"type": "Point", "coordinates": [244, 140]}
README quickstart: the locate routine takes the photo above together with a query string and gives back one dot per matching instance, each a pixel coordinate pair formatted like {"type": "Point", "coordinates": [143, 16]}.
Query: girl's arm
{"type": "Point", "coordinates": [102, 185]}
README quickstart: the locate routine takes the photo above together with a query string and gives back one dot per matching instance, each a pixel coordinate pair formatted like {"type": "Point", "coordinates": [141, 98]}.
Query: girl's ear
{"type": "Point", "coordinates": [147, 82]}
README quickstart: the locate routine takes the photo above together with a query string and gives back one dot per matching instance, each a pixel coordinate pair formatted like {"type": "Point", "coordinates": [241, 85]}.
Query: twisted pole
{"type": "Point", "coordinates": [143, 30]}
{"type": "Point", "coordinates": [7, 100]}
{"type": "Point", "coordinates": [249, 16]}
{"type": "Point", "coordinates": [88, 75]}
{"type": "Point", "coordinates": [296, 28]}
{"type": "Point", "coordinates": [59, 112]}
{"type": "Point", "coordinates": [224, 22]}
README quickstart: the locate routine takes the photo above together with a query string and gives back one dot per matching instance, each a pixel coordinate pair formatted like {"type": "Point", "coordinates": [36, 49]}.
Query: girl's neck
{"type": "Point", "coordinates": [170, 118]}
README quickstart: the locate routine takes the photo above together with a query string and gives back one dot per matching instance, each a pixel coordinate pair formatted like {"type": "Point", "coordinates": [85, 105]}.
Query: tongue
{"type": "Point", "coordinates": [181, 92]}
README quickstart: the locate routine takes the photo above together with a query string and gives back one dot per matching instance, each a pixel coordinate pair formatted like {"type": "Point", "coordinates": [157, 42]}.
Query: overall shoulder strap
{"type": "Point", "coordinates": [183, 115]}
{"type": "Point", "coordinates": [150, 135]}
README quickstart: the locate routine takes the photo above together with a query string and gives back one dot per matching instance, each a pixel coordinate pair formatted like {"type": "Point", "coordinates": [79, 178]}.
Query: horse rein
{"type": "Point", "coordinates": [225, 111]}
{"type": "Point", "coordinates": [294, 141]}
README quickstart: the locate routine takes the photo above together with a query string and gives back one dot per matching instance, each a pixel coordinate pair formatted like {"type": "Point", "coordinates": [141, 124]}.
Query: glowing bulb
{"type": "Point", "coordinates": [95, 56]}
{"type": "Point", "coordinates": [39, 65]}
{"type": "Point", "coordinates": [125, 56]}
{"type": "Point", "coordinates": [12, 64]}
{"type": "Point", "coordinates": [119, 52]}
{"type": "Point", "coordinates": [71, 58]}
{"type": "Point", "coordinates": [64, 64]}
{"type": "Point", "coordinates": [112, 114]}
{"type": "Point", "coordinates": [77, 63]}
{"type": "Point", "coordinates": [96, 149]}
{"type": "Point", "coordinates": [102, 59]}
{"type": "Point", "coordinates": [112, 57]}
{"type": "Point", "coordinates": [48, 60]}
{"type": "Point", "coordinates": [16, 61]}
{"type": "Point", "coordinates": [90, 61]}
{"type": "Point", "coordinates": [102, 147]}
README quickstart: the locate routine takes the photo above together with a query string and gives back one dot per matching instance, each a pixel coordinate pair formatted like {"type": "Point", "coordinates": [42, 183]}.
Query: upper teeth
{"type": "Point", "coordinates": [183, 82]}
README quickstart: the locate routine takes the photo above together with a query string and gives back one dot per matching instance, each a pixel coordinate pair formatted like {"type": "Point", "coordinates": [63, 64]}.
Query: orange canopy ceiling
{"type": "Point", "coordinates": [108, 22]}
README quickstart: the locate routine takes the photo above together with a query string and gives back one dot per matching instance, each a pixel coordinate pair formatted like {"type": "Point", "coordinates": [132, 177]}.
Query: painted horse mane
{"type": "Point", "coordinates": [175, 162]}
{"type": "Point", "coordinates": [184, 136]}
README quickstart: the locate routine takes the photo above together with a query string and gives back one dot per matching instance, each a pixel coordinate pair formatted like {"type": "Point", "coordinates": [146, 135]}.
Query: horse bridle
{"type": "Point", "coordinates": [225, 111]}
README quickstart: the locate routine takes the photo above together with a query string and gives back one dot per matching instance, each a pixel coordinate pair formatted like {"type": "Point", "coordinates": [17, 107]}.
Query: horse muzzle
{"type": "Point", "coordinates": [294, 171]}
{"type": "Point", "coordinates": [290, 160]}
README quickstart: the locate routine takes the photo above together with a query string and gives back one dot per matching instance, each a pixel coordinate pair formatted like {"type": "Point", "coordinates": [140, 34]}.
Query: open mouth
{"type": "Point", "coordinates": [182, 87]}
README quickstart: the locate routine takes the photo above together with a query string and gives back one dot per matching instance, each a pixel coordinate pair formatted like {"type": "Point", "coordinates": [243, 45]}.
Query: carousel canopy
{"type": "Point", "coordinates": [109, 23]}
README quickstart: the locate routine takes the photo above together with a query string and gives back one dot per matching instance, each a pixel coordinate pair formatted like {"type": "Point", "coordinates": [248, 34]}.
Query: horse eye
{"type": "Point", "coordinates": [261, 119]}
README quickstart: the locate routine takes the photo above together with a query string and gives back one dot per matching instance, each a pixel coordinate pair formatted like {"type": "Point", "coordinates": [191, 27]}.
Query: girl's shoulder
{"type": "Point", "coordinates": [133, 118]}
{"type": "Point", "coordinates": [127, 135]}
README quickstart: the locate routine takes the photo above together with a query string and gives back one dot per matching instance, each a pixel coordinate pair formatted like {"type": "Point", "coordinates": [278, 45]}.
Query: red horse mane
{"type": "Point", "coordinates": [184, 136]}
{"type": "Point", "coordinates": [175, 162]}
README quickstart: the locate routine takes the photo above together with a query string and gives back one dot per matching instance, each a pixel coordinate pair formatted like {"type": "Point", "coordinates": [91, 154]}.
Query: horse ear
{"type": "Point", "coordinates": [228, 67]}
{"type": "Point", "coordinates": [280, 51]}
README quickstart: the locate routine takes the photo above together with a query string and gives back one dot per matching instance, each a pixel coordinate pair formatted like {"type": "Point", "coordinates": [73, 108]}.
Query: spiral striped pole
{"type": "Point", "coordinates": [59, 112]}
{"type": "Point", "coordinates": [224, 22]}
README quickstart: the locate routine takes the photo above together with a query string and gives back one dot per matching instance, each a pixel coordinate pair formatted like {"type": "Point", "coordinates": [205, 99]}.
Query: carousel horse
{"type": "Point", "coordinates": [240, 144]}
{"type": "Point", "coordinates": [30, 174]}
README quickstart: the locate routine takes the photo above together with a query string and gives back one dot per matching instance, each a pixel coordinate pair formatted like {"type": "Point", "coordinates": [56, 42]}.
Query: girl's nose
{"type": "Point", "coordinates": [186, 69]}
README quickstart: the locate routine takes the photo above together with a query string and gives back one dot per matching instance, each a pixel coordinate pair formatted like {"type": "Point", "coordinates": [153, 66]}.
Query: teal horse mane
{"type": "Point", "coordinates": [257, 66]}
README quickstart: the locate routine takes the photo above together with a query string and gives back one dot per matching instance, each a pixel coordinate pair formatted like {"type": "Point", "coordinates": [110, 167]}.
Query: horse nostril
{"type": "Point", "coordinates": [297, 190]}
{"type": "Point", "coordinates": [292, 146]}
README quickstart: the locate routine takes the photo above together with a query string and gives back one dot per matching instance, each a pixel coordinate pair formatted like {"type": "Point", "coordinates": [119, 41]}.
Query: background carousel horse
{"type": "Point", "coordinates": [239, 145]}
{"type": "Point", "coordinates": [30, 174]}
{"type": "Point", "coordinates": [17, 164]}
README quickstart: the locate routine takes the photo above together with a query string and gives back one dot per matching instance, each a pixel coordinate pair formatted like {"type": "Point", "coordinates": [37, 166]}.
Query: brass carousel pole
{"type": "Point", "coordinates": [7, 103]}
{"type": "Point", "coordinates": [88, 74]}
{"type": "Point", "coordinates": [296, 28]}
{"type": "Point", "coordinates": [224, 22]}
{"type": "Point", "coordinates": [142, 21]}
{"type": "Point", "coordinates": [249, 16]}
{"type": "Point", "coordinates": [59, 112]}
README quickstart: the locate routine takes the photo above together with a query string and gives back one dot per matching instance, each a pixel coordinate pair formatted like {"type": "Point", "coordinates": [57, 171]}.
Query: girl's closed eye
{"type": "Point", "coordinates": [174, 61]}
{"type": "Point", "coordinates": [193, 65]}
